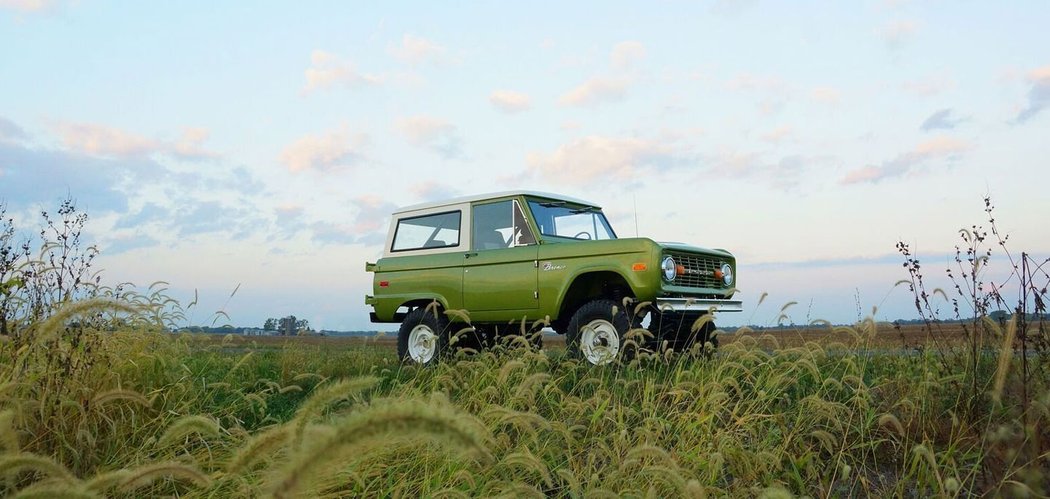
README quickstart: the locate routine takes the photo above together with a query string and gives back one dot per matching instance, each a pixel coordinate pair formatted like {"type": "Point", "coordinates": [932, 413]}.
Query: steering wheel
{"type": "Point", "coordinates": [584, 233]}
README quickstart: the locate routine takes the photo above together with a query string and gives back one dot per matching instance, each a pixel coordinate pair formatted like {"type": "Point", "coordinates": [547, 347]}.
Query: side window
{"type": "Point", "coordinates": [440, 230]}
{"type": "Point", "coordinates": [492, 225]}
{"type": "Point", "coordinates": [500, 225]}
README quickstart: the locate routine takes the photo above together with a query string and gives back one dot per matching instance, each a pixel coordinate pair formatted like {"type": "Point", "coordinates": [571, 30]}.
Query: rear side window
{"type": "Point", "coordinates": [440, 230]}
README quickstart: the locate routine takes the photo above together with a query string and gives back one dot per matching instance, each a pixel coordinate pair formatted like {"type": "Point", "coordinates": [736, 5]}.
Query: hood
{"type": "Point", "coordinates": [685, 248]}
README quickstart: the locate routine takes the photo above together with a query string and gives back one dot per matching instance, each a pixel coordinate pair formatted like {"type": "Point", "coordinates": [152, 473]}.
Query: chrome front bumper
{"type": "Point", "coordinates": [698, 305]}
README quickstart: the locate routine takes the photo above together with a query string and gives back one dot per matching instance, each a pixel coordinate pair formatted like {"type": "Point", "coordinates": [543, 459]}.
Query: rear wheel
{"type": "Point", "coordinates": [423, 336]}
{"type": "Point", "coordinates": [596, 332]}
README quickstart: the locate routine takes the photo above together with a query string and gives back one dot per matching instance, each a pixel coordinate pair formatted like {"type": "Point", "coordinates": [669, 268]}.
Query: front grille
{"type": "Point", "coordinates": [699, 271]}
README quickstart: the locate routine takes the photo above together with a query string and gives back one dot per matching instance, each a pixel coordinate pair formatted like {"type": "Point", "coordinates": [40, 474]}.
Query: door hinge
{"type": "Point", "coordinates": [536, 295]}
{"type": "Point", "coordinates": [536, 264]}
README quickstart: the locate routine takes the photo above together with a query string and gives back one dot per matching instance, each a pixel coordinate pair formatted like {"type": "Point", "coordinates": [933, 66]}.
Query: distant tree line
{"type": "Point", "coordinates": [287, 326]}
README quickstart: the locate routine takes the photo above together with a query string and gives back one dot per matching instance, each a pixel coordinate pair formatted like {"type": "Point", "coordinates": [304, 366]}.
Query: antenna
{"type": "Point", "coordinates": [635, 197]}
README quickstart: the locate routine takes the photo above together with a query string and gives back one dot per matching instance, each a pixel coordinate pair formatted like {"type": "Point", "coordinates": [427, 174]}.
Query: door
{"type": "Point", "coordinates": [499, 271]}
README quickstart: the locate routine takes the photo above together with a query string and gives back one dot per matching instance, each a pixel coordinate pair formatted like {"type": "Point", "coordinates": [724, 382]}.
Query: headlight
{"type": "Point", "coordinates": [669, 268]}
{"type": "Point", "coordinates": [727, 274]}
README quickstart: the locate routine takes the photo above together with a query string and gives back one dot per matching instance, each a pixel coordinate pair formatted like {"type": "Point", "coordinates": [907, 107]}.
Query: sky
{"type": "Point", "coordinates": [260, 146]}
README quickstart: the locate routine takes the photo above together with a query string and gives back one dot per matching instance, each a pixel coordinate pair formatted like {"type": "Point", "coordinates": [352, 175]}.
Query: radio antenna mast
{"type": "Point", "coordinates": [635, 196]}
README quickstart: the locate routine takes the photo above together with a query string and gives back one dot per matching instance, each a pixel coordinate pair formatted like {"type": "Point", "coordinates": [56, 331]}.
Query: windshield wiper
{"type": "Point", "coordinates": [585, 209]}
{"type": "Point", "coordinates": [552, 204]}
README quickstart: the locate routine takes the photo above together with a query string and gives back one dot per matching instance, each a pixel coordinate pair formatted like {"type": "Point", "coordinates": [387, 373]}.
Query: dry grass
{"type": "Point", "coordinates": [774, 413]}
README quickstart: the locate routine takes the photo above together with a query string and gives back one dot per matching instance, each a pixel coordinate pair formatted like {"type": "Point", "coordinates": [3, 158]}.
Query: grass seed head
{"type": "Point", "coordinates": [259, 447]}
{"type": "Point", "coordinates": [8, 434]}
{"type": "Point", "coordinates": [12, 464]}
{"type": "Point", "coordinates": [403, 418]}
{"type": "Point", "coordinates": [326, 395]}
{"type": "Point", "coordinates": [146, 475]}
{"type": "Point", "coordinates": [205, 426]}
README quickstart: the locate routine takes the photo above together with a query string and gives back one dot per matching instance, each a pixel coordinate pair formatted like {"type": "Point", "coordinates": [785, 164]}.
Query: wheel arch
{"type": "Point", "coordinates": [592, 285]}
{"type": "Point", "coordinates": [418, 302]}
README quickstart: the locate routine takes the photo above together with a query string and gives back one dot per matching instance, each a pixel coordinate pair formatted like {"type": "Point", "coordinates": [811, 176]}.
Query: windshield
{"type": "Point", "coordinates": [562, 219]}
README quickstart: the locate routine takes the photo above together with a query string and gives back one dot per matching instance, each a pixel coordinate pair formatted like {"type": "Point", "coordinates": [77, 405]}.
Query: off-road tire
{"type": "Point", "coordinates": [676, 329]}
{"type": "Point", "coordinates": [590, 314]}
{"type": "Point", "coordinates": [432, 322]}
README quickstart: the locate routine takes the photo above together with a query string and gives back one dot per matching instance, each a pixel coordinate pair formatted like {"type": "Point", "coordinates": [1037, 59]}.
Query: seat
{"type": "Point", "coordinates": [490, 239]}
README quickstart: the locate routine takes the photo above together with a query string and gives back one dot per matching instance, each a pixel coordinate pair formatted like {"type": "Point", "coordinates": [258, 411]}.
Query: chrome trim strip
{"type": "Point", "coordinates": [699, 305]}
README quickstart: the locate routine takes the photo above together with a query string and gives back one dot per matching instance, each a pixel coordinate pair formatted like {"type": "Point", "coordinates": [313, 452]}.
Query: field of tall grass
{"type": "Point", "coordinates": [148, 413]}
{"type": "Point", "coordinates": [98, 400]}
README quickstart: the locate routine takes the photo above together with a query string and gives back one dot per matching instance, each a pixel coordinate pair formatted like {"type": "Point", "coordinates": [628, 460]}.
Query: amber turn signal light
{"type": "Point", "coordinates": [639, 267]}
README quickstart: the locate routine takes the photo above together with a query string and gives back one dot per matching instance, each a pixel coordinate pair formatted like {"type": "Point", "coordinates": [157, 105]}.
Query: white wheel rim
{"type": "Point", "coordinates": [599, 342]}
{"type": "Point", "coordinates": [422, 344]}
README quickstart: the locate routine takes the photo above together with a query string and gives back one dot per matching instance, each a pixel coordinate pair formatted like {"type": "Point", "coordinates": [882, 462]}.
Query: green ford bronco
{"type": "Point", "coordinates": [515, 258]}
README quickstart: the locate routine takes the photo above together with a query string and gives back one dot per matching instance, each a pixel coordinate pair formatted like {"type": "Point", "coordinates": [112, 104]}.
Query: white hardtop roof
{"type": "Point", "coordinates": [492, 195]}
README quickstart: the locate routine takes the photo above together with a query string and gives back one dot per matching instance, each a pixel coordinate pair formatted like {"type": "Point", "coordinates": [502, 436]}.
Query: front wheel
{"type": "Point", "coordinates": [596, 332]}
{"type": "Point", "coordinates": [681, 331]}
{"type": "Point", "coordinates": [422, 337]}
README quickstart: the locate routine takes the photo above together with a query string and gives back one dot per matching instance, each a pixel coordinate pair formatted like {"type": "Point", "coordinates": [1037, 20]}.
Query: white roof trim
{"type": "Point", "coordinates": [493, 195]}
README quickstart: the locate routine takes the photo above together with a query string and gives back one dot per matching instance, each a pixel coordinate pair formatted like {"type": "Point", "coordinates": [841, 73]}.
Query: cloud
{"type": "Point", "coordinates": [930, 86]}
{"type": "Point", "coordinates": [778, 134]}
{"type": "Point", "coordinates": [773, 90]}
{"type": "Point", "coordinates": [596, 91]}
{"type": "Point", "coordinates": [751, 82]}
{"type": "Point", "coordinates": [326, 152]}
{"type": "Point", "coordinates": [627, 54]}
{"type": "Point", "coordinates": [570, 126]}
{"type": "Point", "coordinates": [368, 225]}
{"type": "Point", "coordinates": [889, 258]}
{"type": "Point", "coordinates": [32, 176]}
{"type": "Point", "coordinates": [241, 180]}
{"type": "Point", "coordinates": [328, 70]}
{"type": "Point", "coordinates": [432, 133]}
{"type": "Point", "coordinates": [417, 50]}
{"type": "Point", "coordinates": [826, 95]}
{"type": "Point", "coordinates": [28, 6]}
{"type": "Point", "coordinates": [122, 243]}
{"type": "Point", "coordinates": [101, 140]}
{"type": "Point", "coordinates": [783, 173]}
{"type": "Point", "coordinates": [108, 171]}
{"type": "Point", "coordinates": [939, 148]}
{"type": "Point", "coordinates": [608, 159]}
{"type": "Point", "coordinates": [189, 145]}
{"type": "Point", "coordinates": [509, 101]}
{"type": "Point", "coordinates": [1038, 95]}
{"type": "Point", "coordinates": [941, 120]}
{"type": "Point", "coordinates": [289, 214]}
{"type": "Point", "coordinates": [149, 213]}
{"type": "Point", "coordinates": [433, 191]}
{"type": "Point", "coordinates": [10, 132]}
{"type": "Point", "coordinates": [233, 221]}
{"type": "Point", "coordinates": [105, 141]}
{"type": "Point", "coordinates": [897, 33]}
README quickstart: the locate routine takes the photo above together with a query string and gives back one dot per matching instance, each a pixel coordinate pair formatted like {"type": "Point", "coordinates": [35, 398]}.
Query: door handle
{"type": "Point", "coordinates": [468, 255]}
